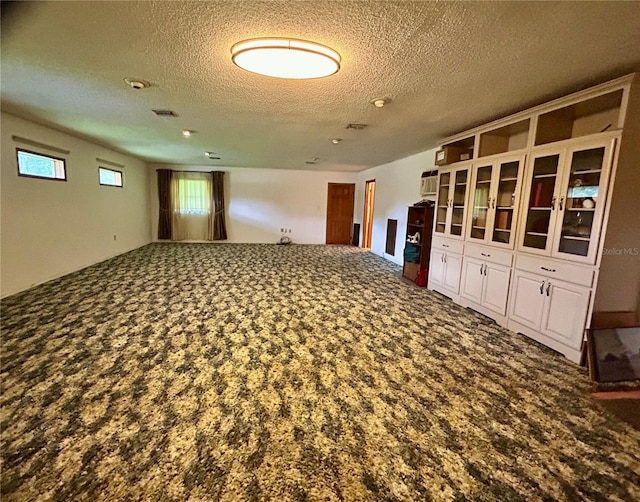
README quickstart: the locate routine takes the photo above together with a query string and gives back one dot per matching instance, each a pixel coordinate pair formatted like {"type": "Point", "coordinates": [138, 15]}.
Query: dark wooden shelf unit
{"type": "Point", "coordinates": [416, 255]}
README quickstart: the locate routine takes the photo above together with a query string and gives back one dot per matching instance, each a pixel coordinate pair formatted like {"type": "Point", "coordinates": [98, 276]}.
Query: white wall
{"type": "Point", "coordinates": [51, 228]}
{"type": "Point", "coordinates": [397, 187]}
{"type": "Point", "coordinates": [259, 202]}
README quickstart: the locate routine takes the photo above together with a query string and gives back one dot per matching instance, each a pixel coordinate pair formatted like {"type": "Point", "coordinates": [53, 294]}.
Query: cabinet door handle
{"type": "Point", "coordinates": [481, 265]}
{"type": "Point", "coordinates": [542, 287]}
{"type": "Point", "coordinates": [553, 202]}
{"type": "Point", "coordinates": [493, 203]}
{"type": "Point", "coordinates": [445, 245]}
{"type": "Point", "coordinates": [561, 202]}
{"type": "Point", "coordinates": [548, 269]}
{"type": "Point", "coordinates": [485, 269]}
{"type": "Point", "coordinates": [548, 288]}
{"type": "Point", "coordinates": [442, 258]}
{"type": "Point", "coordinates": [487, 255]}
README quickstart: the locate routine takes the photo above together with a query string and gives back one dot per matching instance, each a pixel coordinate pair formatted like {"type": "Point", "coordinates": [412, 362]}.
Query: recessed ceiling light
{"type": "Point", "coordinates": [137, 83]}
{"type": "Point", "coordinates": [335, 141]}
{"type": "Point", "coordinates": [211, 155]}
{"type": "Point", "coordinates": [187, 133]}
{"type": "Point", "coordinates": [380, 102]}
{"type": "Point", "coordinates": [285, 58]}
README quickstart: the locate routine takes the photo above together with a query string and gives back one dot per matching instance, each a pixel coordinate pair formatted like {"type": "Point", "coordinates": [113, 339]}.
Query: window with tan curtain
{"type": "Point", "coordinates": [191, 193]}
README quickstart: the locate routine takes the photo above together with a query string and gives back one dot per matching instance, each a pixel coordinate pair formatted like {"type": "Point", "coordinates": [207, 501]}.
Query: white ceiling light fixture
{"type": "Point", "coordinates": [137, 83]}
{"type": "Point", "coordinates": [335, 141]}
{"type": "Point", "coordinates": [285, 58]}
{"type": "Point", "coordinates": [187, 133]}
{"type": "Point", "coordinates": [380, 102]}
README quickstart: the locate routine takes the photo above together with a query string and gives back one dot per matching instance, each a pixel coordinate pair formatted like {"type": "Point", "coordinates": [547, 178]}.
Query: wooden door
{"type": "Point", "coordinates": [340, 198]}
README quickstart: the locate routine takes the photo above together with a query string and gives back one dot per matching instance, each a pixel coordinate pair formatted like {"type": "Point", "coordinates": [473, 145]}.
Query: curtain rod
{"type": "Point", "coordinates": [178, 171]}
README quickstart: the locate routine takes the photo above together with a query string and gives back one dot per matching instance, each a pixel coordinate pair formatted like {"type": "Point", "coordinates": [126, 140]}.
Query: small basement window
{"type": "Point", "coordinates": [109, 177]}
{"type": "Point", "coordinates": [36, 165]}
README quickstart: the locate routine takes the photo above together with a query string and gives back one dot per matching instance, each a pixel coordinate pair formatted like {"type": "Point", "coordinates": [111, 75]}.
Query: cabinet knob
{"type": "Point", "coordinates": [561, 202]}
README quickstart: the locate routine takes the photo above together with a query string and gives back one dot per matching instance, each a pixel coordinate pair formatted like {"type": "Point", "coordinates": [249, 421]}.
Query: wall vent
{"type": "Point", "coordinates": [357, 127]}
{"type": "Point", "coordinates": [165, 113]}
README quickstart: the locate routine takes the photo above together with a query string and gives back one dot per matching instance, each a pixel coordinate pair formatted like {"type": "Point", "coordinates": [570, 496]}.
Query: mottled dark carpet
{"type": "Point", "coordinates": [263, 372]}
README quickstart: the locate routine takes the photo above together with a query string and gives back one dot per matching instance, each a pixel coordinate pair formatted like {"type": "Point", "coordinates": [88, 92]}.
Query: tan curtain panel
{"type": "Point", "coordinates": [190, 192]}
{"type": "Point", "coordinates": [217, 226]}
{"type": "Point", "coordinates": [164, 203]}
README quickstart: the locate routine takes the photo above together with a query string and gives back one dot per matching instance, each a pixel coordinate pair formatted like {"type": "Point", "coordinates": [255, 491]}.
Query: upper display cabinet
{"type": "Point", "coordinates": [591, 116]}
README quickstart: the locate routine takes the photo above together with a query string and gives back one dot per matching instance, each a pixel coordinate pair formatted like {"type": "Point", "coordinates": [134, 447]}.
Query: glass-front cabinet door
{"type": "Point", "coordinates": [505, 202]}
{"type": "Point", "coordinates": [458, 202]}
{"type": "Point", "coordinates": [494, 199]}
{"type": "Point", "coordinates": [442, 209]}
{"type": "Point", "coordinates": [565, 197]}
{"type": "Point", "coordinates": [539, 215]}
{"type": "Point", "coordinates": [480, 199]}
{"type": "Point", "coordinates": [451, 202]}
{"type": "Point", "coordinates": [581, 201]}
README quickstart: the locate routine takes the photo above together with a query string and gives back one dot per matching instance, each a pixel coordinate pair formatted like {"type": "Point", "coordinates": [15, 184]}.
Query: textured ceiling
{"type": "Point", "coordinates": [446, 66]}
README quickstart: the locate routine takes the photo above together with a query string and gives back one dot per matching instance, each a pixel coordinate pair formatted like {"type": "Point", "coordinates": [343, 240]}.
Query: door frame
{"type": "Point", "coordinates": [367, 215]}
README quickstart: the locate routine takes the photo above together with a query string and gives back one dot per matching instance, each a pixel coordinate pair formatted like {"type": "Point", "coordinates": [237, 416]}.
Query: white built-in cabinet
{"type": "Point", "coordinates": [494, 201]}
{"type": "Point", "coordinates": [519, 227]}
{"type": "Point", "coordinates": [565, 199]}
{"type": "Point", "coordinates": [486, 273]}
{"type": "Point", "coordinates": [451, 202]}
{"type": "Point", "coordinates": [445, 266]}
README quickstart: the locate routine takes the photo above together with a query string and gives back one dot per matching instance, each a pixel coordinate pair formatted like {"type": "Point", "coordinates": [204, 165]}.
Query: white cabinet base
{"type": "Point", "coordinates": [571, 353]}
{"type": "Point", "coordinates": [501, 320]}
{"type": "Point", "coordinates": [444, 291]}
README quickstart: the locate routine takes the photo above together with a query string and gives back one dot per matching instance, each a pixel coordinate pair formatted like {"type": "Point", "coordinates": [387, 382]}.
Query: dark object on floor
{"type": "Point", "coordinates": [623, 404]}
{"type": "Point", "coordinates": [355, 239]}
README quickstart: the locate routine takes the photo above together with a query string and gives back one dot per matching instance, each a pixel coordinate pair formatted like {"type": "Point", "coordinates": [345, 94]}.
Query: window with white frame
{"type": "Point", "coordinates": [37, 165]}
{"type": "Point", "coordinates": [109, 177]}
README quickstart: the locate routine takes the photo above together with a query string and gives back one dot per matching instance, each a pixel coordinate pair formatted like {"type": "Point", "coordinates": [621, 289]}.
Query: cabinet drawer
{"type": "Point", "coordinates": [447, 245]}
{"type": "Point", "coordinates": [556, 270]}
{"type": "Point", "coordinates": [492, 255]}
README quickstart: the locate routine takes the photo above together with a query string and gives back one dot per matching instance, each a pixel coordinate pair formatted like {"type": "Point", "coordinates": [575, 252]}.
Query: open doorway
{"type": "Point", "coordinates": [367, 223]}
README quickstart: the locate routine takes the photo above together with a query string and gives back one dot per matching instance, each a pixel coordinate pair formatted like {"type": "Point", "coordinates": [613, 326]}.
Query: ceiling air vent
{"type": "Point", "coordinates": [165, 113]}
{"type": "Point", "coordinates": [357, 127]}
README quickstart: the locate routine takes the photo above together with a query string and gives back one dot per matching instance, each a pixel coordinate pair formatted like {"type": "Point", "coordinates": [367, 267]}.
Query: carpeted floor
{"type": "Point", "coordinates": [263, 372]}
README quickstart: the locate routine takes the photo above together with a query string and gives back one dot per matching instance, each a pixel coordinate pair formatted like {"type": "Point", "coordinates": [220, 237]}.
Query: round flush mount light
{"type": "Point", "coordinates": [211, 155]}
{"type": "Point", "coordinates": [137, 83]}
{"type": "Point", "coordinates": [285, 58]}
{"type": "Point", "coordinates": [380, 102]}
{"type": "Point", "coordinates": [335, 141]}
{"type": "Point", "coordinates": [187, 133]}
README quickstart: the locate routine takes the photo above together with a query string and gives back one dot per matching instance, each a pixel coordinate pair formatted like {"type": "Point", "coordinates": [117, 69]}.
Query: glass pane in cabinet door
{"type": "Point", "coordinates": [459, 194]}
{"type": "Point", "coordinates": [505, 201]}
{"type": "Point", "coordinates": [480, 205]}
{"type": "Point", "coordinates": [580, 201]}
{"type": "Point", "coordinates": [543, 183]}
{"type": "Point", "coordinates": [443, 202]}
